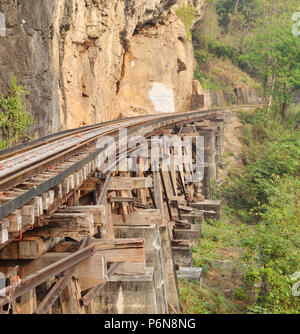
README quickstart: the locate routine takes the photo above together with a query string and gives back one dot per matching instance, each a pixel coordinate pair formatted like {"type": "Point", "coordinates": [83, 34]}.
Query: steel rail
{"type": "Point", "coordinates": [17, 149]}
{"type": "Point", "coordinates": [52, 158]}
{"type": "Point", "coordinates": [60, 150]}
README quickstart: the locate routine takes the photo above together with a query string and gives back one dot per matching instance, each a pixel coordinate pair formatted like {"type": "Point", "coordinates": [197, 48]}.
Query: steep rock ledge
{"type": "Point", "coordinates": [86, 61]}
{"type": "Point", "coordinates": [158, 70]}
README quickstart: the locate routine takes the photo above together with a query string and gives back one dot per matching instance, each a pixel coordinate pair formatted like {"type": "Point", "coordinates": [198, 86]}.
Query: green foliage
{"type": "Point", "coordinates": [266, 191]}
{"type": "Point", "coordinates": [260, 222]}
{"type": "Point", "coordinates": [245, 15]}
{"type": "Point", "coordinates": [202, 56]}
{"type": "Point", "coordinates": [220, 243]}
{"type": "Point", "coordinates": [274, 56]}
{"type": "Point", "coordinates": [261, 218]}
{"type": "Point", "coordinates": [241, 295]}
{"type": "Point", "coordinates": [209, 47]}
{"type": "Point", "coordinates": [187, 14]}
{"type": "Point", "coordinates": [205, 80]}
{"type": "Point", "coordinates": [256, 36]}
{"type": "Point", "coordinates": [273, 153]}
{"type": "Point", "coordinates": [15, 121]}
{"type": "Point", "coordinates": [201, 301]}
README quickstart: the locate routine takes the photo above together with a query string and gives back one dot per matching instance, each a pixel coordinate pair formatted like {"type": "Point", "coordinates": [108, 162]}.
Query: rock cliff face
{"type": "Point", "coordinates": [158, 70]}
{"type": "Point", "coordinates": [86, 61]}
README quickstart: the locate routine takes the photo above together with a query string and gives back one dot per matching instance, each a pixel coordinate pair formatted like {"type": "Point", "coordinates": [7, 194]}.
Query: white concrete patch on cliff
{"type": "Point", "coordinates": [162, 98]}
{"type": "Point", "coordinates": [2, 25]}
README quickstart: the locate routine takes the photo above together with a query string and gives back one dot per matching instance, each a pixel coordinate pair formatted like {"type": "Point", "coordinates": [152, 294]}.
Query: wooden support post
{"type": "Point", "coordinates": [158, 194]}
{"type": "Point", "coordinates": [142, 192]}
{"type": "Point", "coordinates": [165, 186]}
{"type": "Point", "coordinates": [110, 234]}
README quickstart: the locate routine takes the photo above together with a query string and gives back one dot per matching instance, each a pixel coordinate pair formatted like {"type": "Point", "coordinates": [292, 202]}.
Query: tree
{"type": "Point", "coordinates": [274, 54]}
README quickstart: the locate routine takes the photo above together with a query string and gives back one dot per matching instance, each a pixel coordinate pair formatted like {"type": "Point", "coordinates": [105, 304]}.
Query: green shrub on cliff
{"type": "Point", "coordinates": [187, 14]}
{"type": "Point", "coordinates": [15, 121]}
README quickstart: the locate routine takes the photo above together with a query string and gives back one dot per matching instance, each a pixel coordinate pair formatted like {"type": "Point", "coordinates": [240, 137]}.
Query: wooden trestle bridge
{"type": "Point", "coordinates": [78, 239]}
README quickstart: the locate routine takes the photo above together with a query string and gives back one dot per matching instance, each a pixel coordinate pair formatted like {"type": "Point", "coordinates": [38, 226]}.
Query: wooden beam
{"type": "Point", "coordinates": [142, 192]}
{"type": "Point", "coordinates": [165, 186]}
{"type": "Point", "coordinates": [178, 199]}
{"type": "Point", "coordinates": [28, 248]}
{"type": "Point", "coordinates": [181, 243]}
{"type": "Point", "coordinates": [98, 212]}
{"type": "Point", "coordinates": [42, 262]}
{"type": "Point", "coordinates": [109, 232]}
{"type": "Point", "coordinates": [186, 208]}
{"type": "Point", "coordinates": [123, 199]}
{"type": "Point", "coordinates": [124, 250]}
{"type": "Point", "coordinates": [119, 183]}
{"type": "Point", "coordinates": [73, 225]}
{"type": "Point", "coordinates": [183, 225]}
{"type": "Point", "coordinates": [148, 217]}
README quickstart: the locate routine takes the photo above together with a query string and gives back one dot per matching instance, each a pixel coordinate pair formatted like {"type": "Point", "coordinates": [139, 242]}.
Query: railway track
{"type": "Point", "coordinates": [33, 168]}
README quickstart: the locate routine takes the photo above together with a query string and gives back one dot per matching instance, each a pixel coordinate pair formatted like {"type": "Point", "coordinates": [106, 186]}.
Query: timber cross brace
{"type": "Point", "coordinates": [74, 238]}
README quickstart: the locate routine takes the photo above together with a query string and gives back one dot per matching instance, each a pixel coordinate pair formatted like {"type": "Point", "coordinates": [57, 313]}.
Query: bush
{"type": "Point", "coordinates": [187, 14]}
{"type": "Point", "coordinates": [15, 121]}
{"type": "Point", "coordinates": [266, 190]}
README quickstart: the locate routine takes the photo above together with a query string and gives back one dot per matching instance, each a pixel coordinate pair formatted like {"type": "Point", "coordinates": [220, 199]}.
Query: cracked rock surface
{"type": "Point", "coordinates": [87, 61]}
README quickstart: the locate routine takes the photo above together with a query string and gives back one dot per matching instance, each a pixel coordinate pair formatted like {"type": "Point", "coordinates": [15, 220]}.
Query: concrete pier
{"type": "Point", "coordinates": [182, 252]}
{"type": "Point", "coordinates": [211, 208]}
{"type": "Point", "coordinates": [153, 252]}
{"type": "Point", "coordinates": [191, 274]}
{"type": "Point", "coordinates": [169, 271]}
{"type": "Point", "coordinates": [132, 294]}
{"type": "Point", "coordinates": [193, 235]}
{"type": "Point", "coordinates": [193, 216]}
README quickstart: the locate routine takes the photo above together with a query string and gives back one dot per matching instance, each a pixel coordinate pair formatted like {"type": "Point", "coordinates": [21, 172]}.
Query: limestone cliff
{"type": "Point", "coordinates": [86, 61]}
